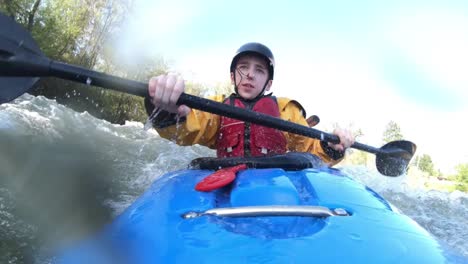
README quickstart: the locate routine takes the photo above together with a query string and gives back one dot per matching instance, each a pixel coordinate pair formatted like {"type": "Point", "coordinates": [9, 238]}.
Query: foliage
{"type": "Point", "coordinates": [203, 90]}
{"type": "Point", "coordinates": [462, 170]}
{"type": "Point", "coordinates": [58, 27]}
{"type": "Point", "coordinates": [425, 164]}
{"type": "Point", "coordinates": [75, 31]}
{"type": "Point", "coordinates": [392, 132]}
{"type": "Point", "coordinates": [118, 107]}
{"type": "Point", "coordinates": [20, 10]}
{"type": "Point", "coordinates": [358, 133]}
{"type": "Point", "coordinates": [358, 158]}
{"type": "Point", "coordinates": [80, 32]}
{"type": "Point", "coordinates": [462, 177]}
{"type": "Point", "coordinates": [462, 187]}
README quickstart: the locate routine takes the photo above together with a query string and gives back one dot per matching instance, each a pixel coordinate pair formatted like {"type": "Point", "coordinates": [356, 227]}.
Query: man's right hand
{"type": "Point", "coordinates": [165, 90]}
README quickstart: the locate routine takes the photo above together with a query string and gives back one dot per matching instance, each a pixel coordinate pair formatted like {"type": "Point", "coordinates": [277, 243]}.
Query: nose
{"type": "Point", "coordinates": [251, 72]}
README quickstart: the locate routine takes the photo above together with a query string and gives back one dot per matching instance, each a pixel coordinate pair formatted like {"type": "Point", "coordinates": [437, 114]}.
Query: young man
{"type": "Point", "coordinates": [252, 71]}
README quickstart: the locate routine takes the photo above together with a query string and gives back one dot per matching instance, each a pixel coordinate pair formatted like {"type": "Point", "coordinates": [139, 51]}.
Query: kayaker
{"type": "Point", "coordinates": [252, 71]}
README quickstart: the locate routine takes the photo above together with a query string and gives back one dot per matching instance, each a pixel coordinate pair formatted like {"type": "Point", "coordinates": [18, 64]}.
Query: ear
{"type": "Point", "coordinates": [232, 78]}
{"type": "Point", "coordinates": [269, 84]}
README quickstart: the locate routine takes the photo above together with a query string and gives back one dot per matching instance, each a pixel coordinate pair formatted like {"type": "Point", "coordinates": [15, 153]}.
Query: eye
{"type": "Point", "coordinates": [242, 67]}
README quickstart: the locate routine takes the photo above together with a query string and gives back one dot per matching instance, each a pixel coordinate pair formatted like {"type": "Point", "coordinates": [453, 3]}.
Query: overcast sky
{"type": "Point", "coordinates": [356, 63]}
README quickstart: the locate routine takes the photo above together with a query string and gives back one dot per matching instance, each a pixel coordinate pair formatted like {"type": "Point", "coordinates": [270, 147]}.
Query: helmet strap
{"type": "Point", "coordinates": [262, 92]}
{"type": "Point", "coordinates": [236, 89]}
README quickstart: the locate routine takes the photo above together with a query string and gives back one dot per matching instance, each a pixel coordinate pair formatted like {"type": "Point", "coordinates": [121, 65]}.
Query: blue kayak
{"type": "Point", "coordinates": [267, 215]}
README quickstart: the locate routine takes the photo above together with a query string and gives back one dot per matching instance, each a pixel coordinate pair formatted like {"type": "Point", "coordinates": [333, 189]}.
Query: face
{"type": "Point", "coordinates": [251, 74]}
{"type": "Point", "coordinates": [311, 122]}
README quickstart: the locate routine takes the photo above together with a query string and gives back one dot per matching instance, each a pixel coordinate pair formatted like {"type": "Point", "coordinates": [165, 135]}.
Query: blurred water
{"type": "Point", "coordinates": [64, 174]}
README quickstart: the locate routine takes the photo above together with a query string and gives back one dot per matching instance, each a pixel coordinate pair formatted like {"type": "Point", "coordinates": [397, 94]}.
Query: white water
{"type": "Point", "coordinates": [51, 157]}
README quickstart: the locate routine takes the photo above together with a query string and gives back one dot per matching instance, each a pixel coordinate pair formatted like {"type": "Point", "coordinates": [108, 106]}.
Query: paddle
{"type": "Point", "coordinates": [22, 61]}
{"type": "Point", "coordinates": [219, 179]}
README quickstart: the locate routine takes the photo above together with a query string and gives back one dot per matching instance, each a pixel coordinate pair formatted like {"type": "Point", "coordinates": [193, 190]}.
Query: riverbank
{"type": "Point", "coordinates": [414, 178]}
{"type": "Point", "coordinates": [418, 178]}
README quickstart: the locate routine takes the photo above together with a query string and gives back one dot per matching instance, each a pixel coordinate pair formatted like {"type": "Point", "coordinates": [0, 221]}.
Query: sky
{"type": "Point", "coordinates": [359, 64]}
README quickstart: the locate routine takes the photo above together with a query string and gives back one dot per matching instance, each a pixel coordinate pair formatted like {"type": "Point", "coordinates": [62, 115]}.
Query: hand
{"type": "Point", "coordinates": [346, 140]}
{"type": "Point", "coordinates": [165, 90]}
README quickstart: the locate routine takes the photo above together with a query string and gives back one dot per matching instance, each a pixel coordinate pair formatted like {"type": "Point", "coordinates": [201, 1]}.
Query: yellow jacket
{"type": "Point", "coordinates": [202, 128]}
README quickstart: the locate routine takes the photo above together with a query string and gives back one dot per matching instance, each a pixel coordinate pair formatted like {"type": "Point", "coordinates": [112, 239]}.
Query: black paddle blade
{"type": "Point", "coordinates": [394, 157]}
{"type": "Point", "coordinates": [14, 40]}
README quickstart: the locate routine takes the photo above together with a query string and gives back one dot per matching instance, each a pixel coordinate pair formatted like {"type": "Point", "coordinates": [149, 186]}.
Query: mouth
{"type": "Point", "coordinates": [247, 85]}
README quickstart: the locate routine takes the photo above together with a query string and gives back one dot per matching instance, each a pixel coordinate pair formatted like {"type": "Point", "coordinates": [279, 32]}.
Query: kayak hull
{"type": "Point", "coordinates": [152, 230]}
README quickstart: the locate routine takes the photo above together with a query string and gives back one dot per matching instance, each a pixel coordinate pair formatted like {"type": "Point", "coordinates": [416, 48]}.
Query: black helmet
{"type": "Point", "coordinates": [257, 48]}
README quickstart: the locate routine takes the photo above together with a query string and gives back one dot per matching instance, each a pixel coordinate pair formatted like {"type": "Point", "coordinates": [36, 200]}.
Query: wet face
{"type": "Point", "coordinates": [251, 75]}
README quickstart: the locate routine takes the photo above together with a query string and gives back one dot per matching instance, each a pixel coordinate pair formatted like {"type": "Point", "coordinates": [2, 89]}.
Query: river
{"type": "Point", "coordinates": [64, 174]}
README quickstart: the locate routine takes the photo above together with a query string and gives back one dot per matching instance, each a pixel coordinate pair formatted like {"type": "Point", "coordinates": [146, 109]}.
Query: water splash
{"type": "Point", "coordinates": [443, 214]}
{"type": "Point", "coordinates": [151, 118]}
{"type": "Point", "coordinates": [178, 127]}
{"type": "Point", "coordinates": [177, 123]}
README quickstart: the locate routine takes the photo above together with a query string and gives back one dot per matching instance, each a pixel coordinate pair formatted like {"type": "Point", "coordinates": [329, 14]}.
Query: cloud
{"type": "Point", "coordinates": [343, 86]}
{"type": "Point", "coordinates": [435, 41]}
{"type": "Point", "coordinates": [155, 27]}
{"type": "Point", "coordinates": [208, 67]}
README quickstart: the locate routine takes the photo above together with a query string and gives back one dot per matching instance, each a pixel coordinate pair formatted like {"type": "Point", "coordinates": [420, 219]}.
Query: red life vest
{"type": "Point", "coordinates": [243, 139]}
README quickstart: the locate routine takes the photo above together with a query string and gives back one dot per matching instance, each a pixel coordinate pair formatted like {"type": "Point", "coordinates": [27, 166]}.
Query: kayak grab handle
{"type": "Point", "coordinates": [276, 210]}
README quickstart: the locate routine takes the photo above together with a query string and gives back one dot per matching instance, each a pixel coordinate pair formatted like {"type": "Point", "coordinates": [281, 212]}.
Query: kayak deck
{"type": "Point", "coordinates": [153, 229]}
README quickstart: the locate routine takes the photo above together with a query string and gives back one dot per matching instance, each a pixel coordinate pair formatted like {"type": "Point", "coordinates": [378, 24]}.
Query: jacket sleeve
{"type": "Point", "coordinates": [292, 111]}
{"type": "Point", "coordinates": [197, 127]}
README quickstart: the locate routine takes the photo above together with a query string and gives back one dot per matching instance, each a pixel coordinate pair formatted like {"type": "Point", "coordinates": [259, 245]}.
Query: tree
{"type": "Point", "coordinates": [462, 173]}
{"type": "Point", "coordinates": [425, 164]}
{"type": "Point", "coordinates": [76, 31]}
{"type": "Point", "coordinates": [392, 132]}
{"type": "Point", "coordinates": [22, 11]}
{"type": "Point", "coordinates": [462, 177]}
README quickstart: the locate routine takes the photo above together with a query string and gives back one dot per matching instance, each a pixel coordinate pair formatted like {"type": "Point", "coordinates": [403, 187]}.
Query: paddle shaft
{"type": "Point", "coordinates": [33, 65]}
{"type": "Point", "coordinates": [264, 120]}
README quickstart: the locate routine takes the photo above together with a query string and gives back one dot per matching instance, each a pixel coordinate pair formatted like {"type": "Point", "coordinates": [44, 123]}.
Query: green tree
{"type": "Point", "coordinates": [461, 177]}
{"type": "Point", "coordinates": [358, 133]}
{"type": "Point", "coordinates": [22, 11]}
{"type": "Point", "coordinates": [75, 31]}
{"type": "Point", "coordinates": [118, 107]}
{"type": "Point", "coordinates": [425, 164]}
{"type": "Point", "coordinates": [462, 173]}
{"type": "Point", "coordinates": [392, 132]}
